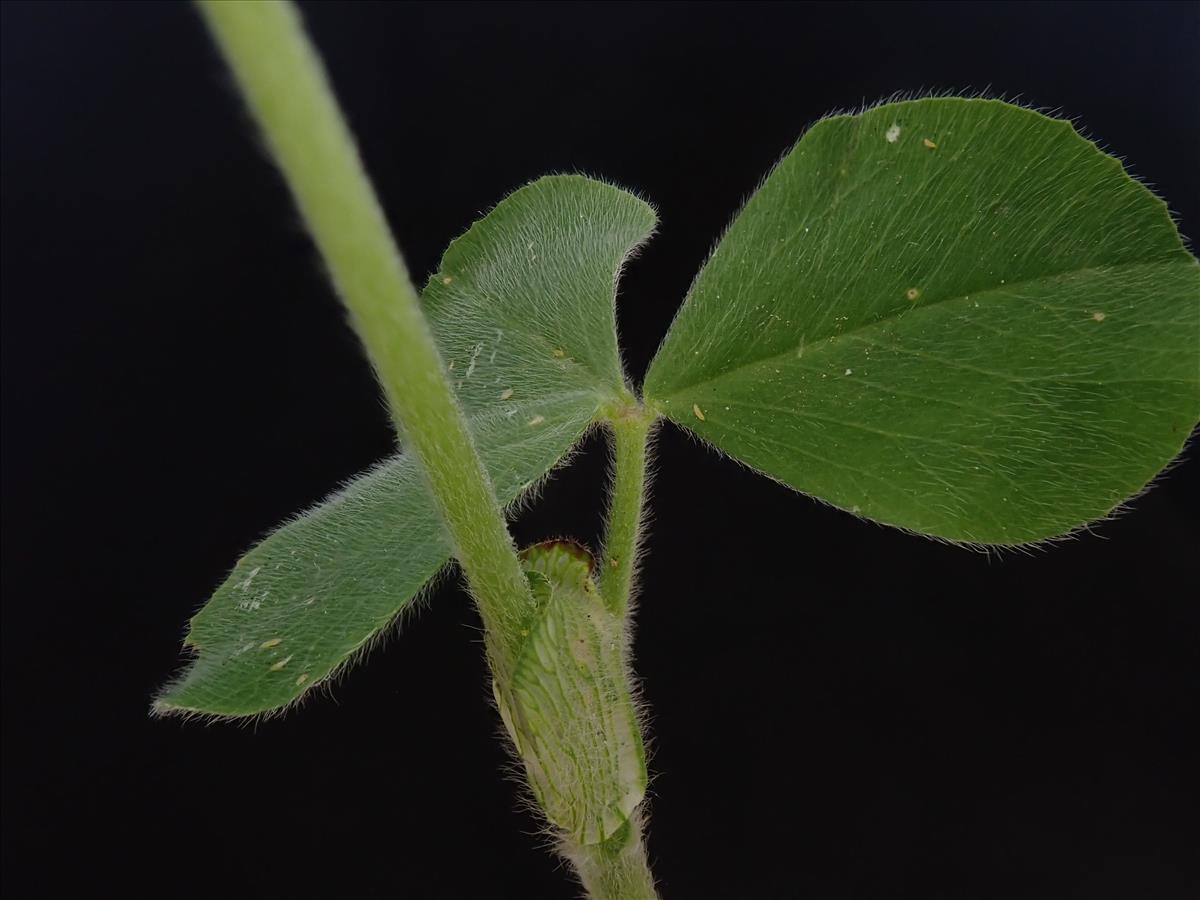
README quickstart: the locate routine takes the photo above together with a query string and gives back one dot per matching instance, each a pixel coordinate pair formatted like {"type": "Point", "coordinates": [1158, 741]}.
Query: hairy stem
{"type": "Point", "coordinates": [289, 95]}
{"type": "Point", "coordinates": [618, 870]}
{"type": "Point", "coordinates": [287, 91]}
{"type": "Point", "coordinates": [631, 432]}
{"type": "Point", "coordinates": [624, 875]}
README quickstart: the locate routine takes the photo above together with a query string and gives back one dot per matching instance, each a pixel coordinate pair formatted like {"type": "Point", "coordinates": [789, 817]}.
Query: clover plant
{"type": "Point", "coordinates": [953, 316]}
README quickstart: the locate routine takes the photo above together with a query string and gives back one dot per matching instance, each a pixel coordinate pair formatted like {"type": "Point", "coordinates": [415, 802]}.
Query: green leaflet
{"type": "Point", "coordinates": [529, 338]}
{"type": "Point", "coordinates": [569, 709]}
{"type": "Point", "coordinates": [954, 316]}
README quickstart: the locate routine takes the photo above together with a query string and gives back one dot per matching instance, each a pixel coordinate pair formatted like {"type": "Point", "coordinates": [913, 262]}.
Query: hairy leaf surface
{"type": "Point", "coordinates": [523, 310]}
{"type": "Point", "coordinates": [954, 316]}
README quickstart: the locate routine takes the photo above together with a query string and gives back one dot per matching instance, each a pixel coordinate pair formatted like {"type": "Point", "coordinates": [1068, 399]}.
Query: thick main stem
{"type": "Point", "coordinates": [622, 876]}
{"type": "Point", "coordinates": [288, 93]}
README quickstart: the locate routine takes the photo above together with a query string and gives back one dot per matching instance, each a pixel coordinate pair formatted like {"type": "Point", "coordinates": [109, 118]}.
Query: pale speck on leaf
{"type": "Point", "coordinates": [892, 134]}
{"type": "Point", "coordinates": [245, 585]}
{"type": "Point", "coordinates": [387, 514]}
{"type": "Point", "coordinates": [506, 394]}
{"type": "Point", "coordinates": [975, 288]}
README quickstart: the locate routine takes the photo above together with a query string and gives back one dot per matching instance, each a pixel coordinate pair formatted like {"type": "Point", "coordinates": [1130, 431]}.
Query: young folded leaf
{"type": "Point", "coordinates": [954, 316]}
{"type": "Point", "coordinates": [523, 310]}
{"type": "Point", "coordinates": [569, 708]}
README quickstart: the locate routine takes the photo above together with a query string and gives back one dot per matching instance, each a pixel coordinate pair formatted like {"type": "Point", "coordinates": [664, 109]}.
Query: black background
{"type": "Point", "coordinates": [838, 710]}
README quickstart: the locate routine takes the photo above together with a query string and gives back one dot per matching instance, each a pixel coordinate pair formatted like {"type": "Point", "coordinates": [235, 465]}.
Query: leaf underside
{"type": "Point", "coordinates": [954, 316]}
{"type": "Point", "coordinates": [523, 310]}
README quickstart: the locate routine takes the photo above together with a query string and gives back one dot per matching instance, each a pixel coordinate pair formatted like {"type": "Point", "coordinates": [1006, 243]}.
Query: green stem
{"type": "Point", "coordinates": [631, 432]}
{"type": "Point", "coordinates": [617, 870]}
{"type": "Point", "coordinates": [288, 93]}
{"type": "Point", "coordinates": [623, 876]}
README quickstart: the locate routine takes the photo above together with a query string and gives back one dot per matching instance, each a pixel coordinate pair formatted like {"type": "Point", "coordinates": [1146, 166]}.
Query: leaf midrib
{"type": "Point", "coordinates": [821, 343]}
